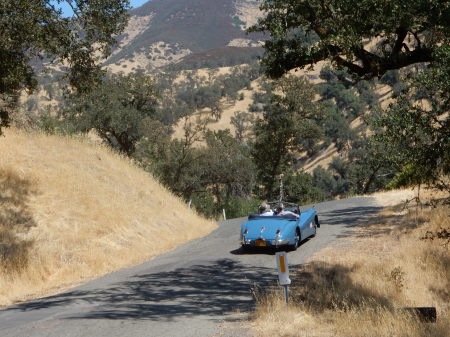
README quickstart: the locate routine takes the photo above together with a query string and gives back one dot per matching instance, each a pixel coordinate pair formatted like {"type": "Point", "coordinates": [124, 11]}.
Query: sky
{"type": "Point", "coordinates": [67, 11]}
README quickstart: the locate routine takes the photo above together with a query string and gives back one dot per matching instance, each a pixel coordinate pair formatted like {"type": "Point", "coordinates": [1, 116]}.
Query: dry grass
{"type": "Point", "coordinates": [80, 211]}
{"type": "Point", "coordinates": [358, 289]}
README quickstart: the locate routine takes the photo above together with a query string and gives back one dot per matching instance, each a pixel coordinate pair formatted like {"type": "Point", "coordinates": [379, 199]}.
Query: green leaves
{"type": "Point", "coordinates": [405, 33]}
{"type": "Point", "coordinates": [34, 30]}
{"type": "Point", "coordinates": [290, 118]}
{"type": "Point", "coordinates": [119, 109]}
{"type": "Point", "coordinates": [417, 128]}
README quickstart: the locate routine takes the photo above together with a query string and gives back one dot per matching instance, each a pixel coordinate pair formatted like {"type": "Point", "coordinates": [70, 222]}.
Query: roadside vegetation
{"type": "Point", "coordinates": [401, 258]}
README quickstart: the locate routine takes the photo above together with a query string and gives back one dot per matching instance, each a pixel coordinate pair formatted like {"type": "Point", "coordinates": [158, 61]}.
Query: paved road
{"type": "Point", "coordinates": [188, 292]}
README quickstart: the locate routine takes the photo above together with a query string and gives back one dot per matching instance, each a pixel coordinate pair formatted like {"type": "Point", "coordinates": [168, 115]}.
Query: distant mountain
{"type": "Point", "coordinates": [163, 32]}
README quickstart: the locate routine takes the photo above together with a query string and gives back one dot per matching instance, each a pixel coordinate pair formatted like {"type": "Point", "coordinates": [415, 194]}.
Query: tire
{"type": "Point", "coordinates": [315, 230]}
{"type": "Point", "coordinates": [245, 248]}
{"type": "Point", "coordinates": [316, 221]}
{"type": "Point", "coordinates": [298, 239]}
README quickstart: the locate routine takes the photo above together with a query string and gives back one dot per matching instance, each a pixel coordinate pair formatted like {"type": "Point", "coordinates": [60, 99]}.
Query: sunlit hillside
{"type": "Point", "coordinates": [70, 211]}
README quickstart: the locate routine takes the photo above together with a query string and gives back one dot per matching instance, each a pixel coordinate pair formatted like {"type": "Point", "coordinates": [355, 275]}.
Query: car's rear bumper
{"type": "Point", "coordinates": [267, 243]}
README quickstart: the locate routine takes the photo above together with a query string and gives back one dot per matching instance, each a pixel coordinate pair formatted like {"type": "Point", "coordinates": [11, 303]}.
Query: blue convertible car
{"type": "Point", "coordinates": [287, 228]}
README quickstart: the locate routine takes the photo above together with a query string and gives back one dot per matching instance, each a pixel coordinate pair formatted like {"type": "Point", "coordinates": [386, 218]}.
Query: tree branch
{"type": "Point", "coordinates": [401, 35]}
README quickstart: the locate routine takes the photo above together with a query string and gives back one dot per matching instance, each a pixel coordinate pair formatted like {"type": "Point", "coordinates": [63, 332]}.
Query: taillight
{"type": "Point", "coordinates": [278, 231]}
{"type": "Point", "coordinates": [246, 231]}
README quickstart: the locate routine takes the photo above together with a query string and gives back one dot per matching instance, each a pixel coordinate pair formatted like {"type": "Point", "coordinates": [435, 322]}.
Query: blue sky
{"type": "Point", "coordinates": [67, 11]}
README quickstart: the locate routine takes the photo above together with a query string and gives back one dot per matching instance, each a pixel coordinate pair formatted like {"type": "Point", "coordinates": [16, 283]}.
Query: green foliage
{"type": "Point", "coordinates": [218, 57]}
{"type": "Point", "coordinates": [227, 168]}
{"type": "Point", "coordinates": [241, 206]}
{"type": "Point", "coordinates": [243, 123]}
{"type": "Point", "coordinates": [337, 129]}
{"type": "Point", "coordinates": [406, 33]}
{"type": "Point", "coordinates": [364, 169]}
{"type": "Point", "coordinates": [36, 29]}
{"type": "Point", "coordinates": [211, 176]}
{"type": "Point", "coordinates": [417, 133]}
{"type": "Point", "coordinates": [119, 109]}
{"type": "Point", "coordinates": [204, 204]}
{"type": "Point", "coordinates": [325, 182]}
{"type": "Point", "coordinates": [49, 124]}
{"type": "Point", "coordinates": [299, 188]}
{"type": "Point", "coordinates": [289, 120]}
{"type": "Point", "coordinates": [338, 89]}
{"type": "Point", "coordinates": [193, 94]}
{"type": "Point", "coordinates": [406, 177]}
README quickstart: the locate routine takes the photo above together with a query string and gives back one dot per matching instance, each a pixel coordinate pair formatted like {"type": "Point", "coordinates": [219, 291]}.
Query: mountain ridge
{"type": "Point", "coordinates": [163, 32]}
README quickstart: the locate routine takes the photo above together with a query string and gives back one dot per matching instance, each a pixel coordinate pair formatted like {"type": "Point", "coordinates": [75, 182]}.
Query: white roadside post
{"type": "Point", "coordinates": [283, 272]}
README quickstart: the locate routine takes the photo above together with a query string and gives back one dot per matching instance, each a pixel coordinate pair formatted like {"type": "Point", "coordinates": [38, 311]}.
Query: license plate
{"type": "Point", "coordinates": [260, 243]}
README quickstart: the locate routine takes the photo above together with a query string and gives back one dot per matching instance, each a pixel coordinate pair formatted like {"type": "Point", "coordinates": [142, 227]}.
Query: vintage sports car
{"type": "Point", "coordinates": [279, 230]}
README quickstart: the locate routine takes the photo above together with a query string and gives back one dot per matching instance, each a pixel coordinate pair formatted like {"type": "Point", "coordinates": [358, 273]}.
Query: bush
{"type": "Point", "coordinates": [240, 206]}
{"type": "Point", "coordinates": [299, 188]}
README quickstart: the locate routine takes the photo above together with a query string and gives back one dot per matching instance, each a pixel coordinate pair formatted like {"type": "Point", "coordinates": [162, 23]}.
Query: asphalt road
{"type": "Point", "coordinates": [189, 292]}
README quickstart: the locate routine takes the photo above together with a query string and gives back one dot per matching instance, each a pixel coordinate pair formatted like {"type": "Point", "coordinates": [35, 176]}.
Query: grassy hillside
{"type": "Point", "coordinates": [71, 211]}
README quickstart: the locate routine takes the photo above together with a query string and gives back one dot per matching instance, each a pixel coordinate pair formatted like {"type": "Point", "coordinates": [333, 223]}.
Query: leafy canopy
{"type": "Point", "coordinates": [35, 29]}
{"type": "Point", "coordinates": [415, 132]}
{"type": "Point", "coordinates": [289, 119]}
{"type": "Point", "coordinates": [404, 33]}
{"type": "Point", "coordinates": [120, 109]}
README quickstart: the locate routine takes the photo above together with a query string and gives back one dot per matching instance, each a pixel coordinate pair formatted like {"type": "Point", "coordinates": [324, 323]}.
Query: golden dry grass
{"type": "Point", "coordinates": [359, 289]}
{"type": "Point", "coordinates": [82, 211]}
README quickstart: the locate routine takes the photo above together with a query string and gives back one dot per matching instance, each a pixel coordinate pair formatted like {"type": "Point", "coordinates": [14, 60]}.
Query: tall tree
{"type": "Point", "coordinates": [405, 32]}
{"type": "Point", "coordinates": [416, 129]}
{"type": "Point", "coordinates": [288, 120]}
{"type": "Point", "coordinates": [37, 29]}
{"type": "Point", "coordinates": [118, 109]}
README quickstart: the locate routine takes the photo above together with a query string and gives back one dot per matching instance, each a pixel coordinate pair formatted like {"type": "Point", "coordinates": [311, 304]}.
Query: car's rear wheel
{"type": "Point", "coordinates": [297, 239]}
{"type": "Point", "coordinates": [245, 248]}
{"type": "Point", "coordinates": [315, 230]}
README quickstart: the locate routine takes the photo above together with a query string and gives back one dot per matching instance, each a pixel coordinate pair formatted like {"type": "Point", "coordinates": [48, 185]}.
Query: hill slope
{"type": "Point", "coordinates": [164, 31]}
{"type": "Point", "coordinates": [70, 211]}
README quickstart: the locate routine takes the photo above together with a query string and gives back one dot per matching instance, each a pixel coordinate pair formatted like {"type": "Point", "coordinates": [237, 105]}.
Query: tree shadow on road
{"type": "Point", "coordinates": [217, 289]}
{"type": "Point", "coordinates": [358, 217]}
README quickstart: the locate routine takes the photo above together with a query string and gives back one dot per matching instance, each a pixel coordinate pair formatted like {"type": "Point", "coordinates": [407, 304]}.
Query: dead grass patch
{"type": "Point", "coordinates": [359, 288]}
{"type": "Point", "coordinates": [71, 211]}
{"type": "Point", "coordinates": [15, 222]}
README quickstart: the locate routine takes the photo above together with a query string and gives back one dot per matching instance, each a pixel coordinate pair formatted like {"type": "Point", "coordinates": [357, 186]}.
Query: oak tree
{"type": "Point", "coordinates": [368, 37]}
{"type": "Point", "coordinates": [37, 29]}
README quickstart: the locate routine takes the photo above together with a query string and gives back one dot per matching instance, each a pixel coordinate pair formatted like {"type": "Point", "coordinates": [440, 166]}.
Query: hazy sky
{"type": "Point", "coordinates": [67, 11]}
